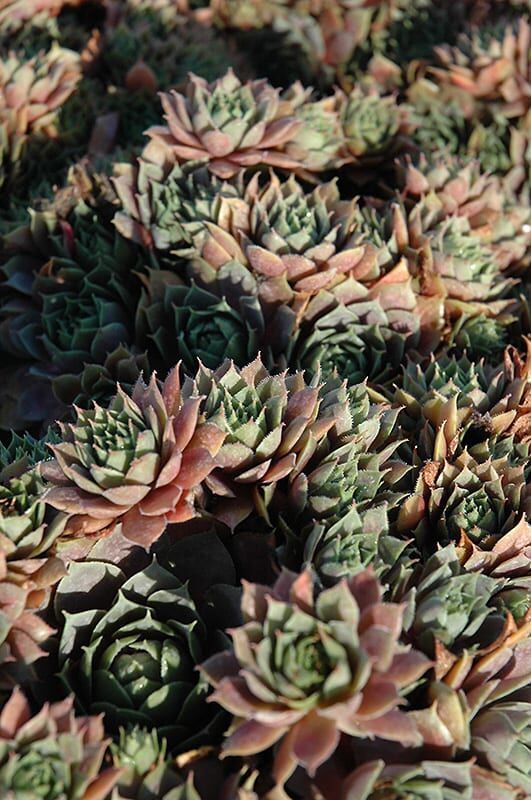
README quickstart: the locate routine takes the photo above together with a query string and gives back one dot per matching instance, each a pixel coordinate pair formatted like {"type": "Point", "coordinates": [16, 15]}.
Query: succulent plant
{"type": "Point", "coordinates": [24, 589]}
{"type": "Point", "coordinates": [300, 672]}
{"type": "Point", "coordinates": [481, 336]}
{"type": "Point", "coordinates": [133, 653]}
{"type": "Point", "coordinates": [493, 67]}
{"type": "Point", "coordinates": [53, 753]}
{"type": "Point", "coordinates": [24, 529]}
{"type": "Point", "coordinates": [482, 500]}
{"type": "Point", "coordinates": [98, 382]}
{"type": "Point", "coordinates": [347, 329]}
{"type": "Point", "coordinates": [145, 766]}
{"type": "Point", "coordinates": [178, 322]}
{"type": "Point", "coordinates": [272, 424]}
{"type": "Point", "coordinates": [500, 739]}
{"type": "Point", "coordinates": [429, 780]}
{"type": "Point", "coordinates": [283, 244]}
{"type": "Point", "coordinates": [371, 125]}
{"type": "Point", "coordinates": [169, 208]}
{"type": "Point", "coordinates": [452, 606]}
{"type": "Point", "coordinates": [228, 124]}
{"type": "Point", "coordinates": [138, 462]}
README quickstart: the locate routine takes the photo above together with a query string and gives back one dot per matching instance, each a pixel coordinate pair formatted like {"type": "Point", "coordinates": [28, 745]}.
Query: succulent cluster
{"type": "Point", "coordinates": [265, 400]}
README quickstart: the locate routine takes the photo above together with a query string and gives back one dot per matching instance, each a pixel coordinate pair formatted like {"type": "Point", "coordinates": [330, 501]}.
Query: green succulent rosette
{"type": "Point", "coordinates": [146, 770]}
{"type": "Point", "coordinates": [482, 500]}
{"type": "Point", "coordinates": [183, 323]}
{"type": "Point", "coordinates": [348, 331]}
{"type": "Point", "coordinates": [134, 656]}
{"type": "Point", "coordinates": [168, 208]}
{"type": "Point", "coordinates": [371, 125]}
{"type": "Point", "coordinates": [481, 336]}
{"type": "Point", "coordinates": [24, 517]}
{"type": "Point", "coordinates": [68, 291]}
{"type": "Point", "coordinates": [273, 423]}
{"type": "Point", "coordinates": [451, 606]}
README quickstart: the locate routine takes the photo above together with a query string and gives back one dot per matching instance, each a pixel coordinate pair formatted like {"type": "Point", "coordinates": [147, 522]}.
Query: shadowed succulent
{"type": "Point", "coordinates": [303, 670]}
{"type": "Point", "coordinates": [138, 462]}
{"type": "Point", "coordinates": [481, 336]}
{"type": "Point", "coordinates": [501, 738]}
{"type": "Point", "coordinates": [348, 330]}
{"type": "Point", "coordinates": [283, 244]}
{"type": "Point", "coordinates": [24, 530]}
{"type": "Point", "coordinates": [133, 653]}
{"type": "Point", "coordinates": [97, 382]}
{"type": "Point", "coordinates": [429, 780]}
{"type": "Point", "coordinates": [53, 754]}
{"type": "Point", "coordinates": [179, 322]}
{"type": "Point", "coordinates": [24, 590]}
{"type": "Point", "coordinates": [226, 123]}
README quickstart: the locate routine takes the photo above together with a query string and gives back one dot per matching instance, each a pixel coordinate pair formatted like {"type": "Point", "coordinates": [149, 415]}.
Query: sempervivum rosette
{"type": "Point", "coordinates": [53, 753]}
{"type": "Point", "coordinates": [175, 322]}
{"type": "Point", "coordinates": [24, 529]}
{"type": "Point", "coordinates": [349, 330]}
{"type": "Point", "coordinates": [284, 244]}
{"type": "Point", "coordinates": [137, 462]}
{"type": "Point", "coordinates": [303, 670]}
{"type": "Point", "coordinates": [226, 123]}
{"type": "Point", "coordinates": [133, 653]}
{"type": "Point", "coordinates": [429, 780]}
{"type": "Point", "coordinates": [483, 500]}
{"type": "Point", "coordinates": [272, 424]}
{"type": "Point", "coordinates": [169, 207]}
{"type": "Point", "coordinates": [373, 127]}
{"type": "Point", "coordinates": [450, 605]}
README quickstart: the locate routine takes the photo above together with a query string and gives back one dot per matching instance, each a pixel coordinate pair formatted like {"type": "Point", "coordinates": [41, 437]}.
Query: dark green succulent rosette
{"type": "Point", "coordinates": [67, 298]}
{"type": "Point", "coordinates": [134, 656]}
{"type": "Point", "coordinates": [481, 336]}
{"type": "Point", "coordinates": [176, 322]}
{"type": "Point", "coordinates": [97, 382]}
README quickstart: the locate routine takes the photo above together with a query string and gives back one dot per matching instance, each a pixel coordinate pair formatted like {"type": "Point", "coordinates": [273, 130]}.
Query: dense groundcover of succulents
{"type": "Point", "coordinates": [265, 400]}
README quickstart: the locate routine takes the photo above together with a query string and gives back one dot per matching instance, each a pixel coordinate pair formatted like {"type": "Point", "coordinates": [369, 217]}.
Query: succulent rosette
{"type": "Point", "coordinates": [442, 780]}
{"type": "Point", "coordinates": [302, 670]}
{"type": "Point", "coordinates": [348, 330]}
{"type": "Point", "coordinates": [24, 530]}
{"type": "Point", "coordinates": [132, 654]}
{"type": "Point", "coordinates": [228, 124]}
{"type": "Point", "coordinates": [272, 426]}
{"type": "Point", "coordinates": [53, 753]}
{"type": "Point", "coordinates": [287, 246]}
{"type": "Point", "coordinates": [137, 462]}
{"type": "Point", "coordinates": [188, 323]}
{"type": "Point", "coordinates": [24, 589]}
{"type": "Point", "coordinates": [168, 208]}
{"type": "Point", "coordinates": [372, 126]}
{"type": "Point", "coordinates": [97, 382]}
{"type": "Point", "coordinates": [483, 500]}
{"type": "Point", "coordinates": [452, 606]}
